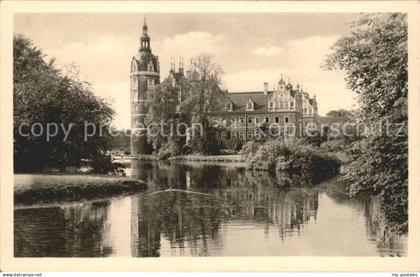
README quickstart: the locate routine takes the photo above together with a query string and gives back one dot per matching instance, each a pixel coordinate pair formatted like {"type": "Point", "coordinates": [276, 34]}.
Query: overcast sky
{"type": "Point", "coordinates": [251, 48]}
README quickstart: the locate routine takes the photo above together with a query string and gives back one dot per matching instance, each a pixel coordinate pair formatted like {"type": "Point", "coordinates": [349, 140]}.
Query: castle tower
{"type": "Point", "coordinates": [144, 75]}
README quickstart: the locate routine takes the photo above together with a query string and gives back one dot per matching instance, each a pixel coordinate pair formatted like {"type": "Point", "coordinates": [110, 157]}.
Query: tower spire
{"type": "Point", "coordinates": [145, 39]}
{"type": "Point", "coordinates": [145, 26]}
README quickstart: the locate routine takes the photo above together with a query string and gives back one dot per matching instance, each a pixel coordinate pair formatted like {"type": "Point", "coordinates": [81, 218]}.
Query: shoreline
{"type": "Point", "coordinates": [210, 158]}
{"type": "Point", "coordinates": [42, 188]}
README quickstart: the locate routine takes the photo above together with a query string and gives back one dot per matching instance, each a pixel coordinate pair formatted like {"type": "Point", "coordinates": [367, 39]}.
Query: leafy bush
{"type": "Point", "coordinates": [169, 149]}
{"type": "Point", "coordinates": [294, 159]}
{"type": "Point", "coordinates": [308, 162]}
{"type": "Point", "coordinates": [333, 145]}
{"type": "Point", "coordinates": [206, 143]}
{"type": "Point", "coordinates": [103, 164]}
{"type": "Point", "coordinates": [233, 144]}
{"type": "Point", "coordinates": [251, 147]}
{"type": "Point", "coordinates": [266, 156]}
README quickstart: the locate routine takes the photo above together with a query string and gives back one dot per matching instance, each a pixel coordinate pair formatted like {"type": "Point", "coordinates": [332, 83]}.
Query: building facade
{"type": "Point", "coordinates": [282, 112]}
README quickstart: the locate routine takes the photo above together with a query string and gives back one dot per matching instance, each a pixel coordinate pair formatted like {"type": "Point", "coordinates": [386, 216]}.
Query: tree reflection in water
{"type": "Point", "coordinates": [191, 221]}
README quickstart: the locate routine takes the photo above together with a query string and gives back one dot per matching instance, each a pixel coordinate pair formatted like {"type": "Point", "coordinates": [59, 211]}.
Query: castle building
{"type": "Point", "coordinates": [282, 112]}
{"type": "Point", "coordinates": [144, 75]}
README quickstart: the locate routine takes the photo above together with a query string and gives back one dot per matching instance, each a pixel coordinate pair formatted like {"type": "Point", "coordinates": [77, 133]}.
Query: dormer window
{"type": "Point", "coordinates": [250, 105]}
{"type": "Point", "coordinates": [229, 106]}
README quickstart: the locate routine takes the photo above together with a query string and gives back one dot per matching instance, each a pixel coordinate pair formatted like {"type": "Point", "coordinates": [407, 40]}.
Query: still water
{"type": "Point", "coordinates": [199, 209]}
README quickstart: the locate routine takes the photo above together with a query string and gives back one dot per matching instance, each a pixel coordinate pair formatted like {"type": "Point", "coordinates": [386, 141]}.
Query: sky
{"type": "Point", "coordinates": [252, 48]}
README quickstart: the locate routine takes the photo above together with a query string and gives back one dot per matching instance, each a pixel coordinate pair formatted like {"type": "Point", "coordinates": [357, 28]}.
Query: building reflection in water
{"type": "Point", "coordinates": [190, 215]}
{"type": "Point", "coordinates": [196, 210]}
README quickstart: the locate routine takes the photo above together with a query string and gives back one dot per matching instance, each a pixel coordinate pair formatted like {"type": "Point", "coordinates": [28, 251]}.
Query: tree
{"type": "Point", "coordinates": [340, 113]}
{"type": "Point", "coordinates": [44, 95]}
{"type": "Point", "coordinates": [204, 95]}
{"type": "Point", "coordinates": [201, 94]}
{"type": "Point", "coordinates": [374, 57]}
{"type": "Point", "coordinates": [161, 115]}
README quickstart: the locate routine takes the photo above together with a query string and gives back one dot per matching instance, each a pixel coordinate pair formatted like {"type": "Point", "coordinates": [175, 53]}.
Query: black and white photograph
{"type": "Point", "coordinates": [210, 134]}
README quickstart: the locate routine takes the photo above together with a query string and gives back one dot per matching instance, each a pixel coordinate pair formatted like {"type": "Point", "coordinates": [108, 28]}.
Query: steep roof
{"type": "Point", "coordinates": [143, 59]}
{"type": "Point", "coordinates": [240, 99]}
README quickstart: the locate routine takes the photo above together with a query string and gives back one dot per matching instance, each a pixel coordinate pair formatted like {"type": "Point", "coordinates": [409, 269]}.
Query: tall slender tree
{"type": "Point", "coordinates": [374, 57]}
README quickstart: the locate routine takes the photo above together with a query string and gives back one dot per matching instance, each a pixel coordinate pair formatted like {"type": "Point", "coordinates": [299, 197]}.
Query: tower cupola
{"type": "Point", "coordinates": [145, 39]}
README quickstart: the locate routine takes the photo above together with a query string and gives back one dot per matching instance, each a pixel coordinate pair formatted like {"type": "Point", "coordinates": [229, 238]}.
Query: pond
{"type": "Point", "coordinates": [202, 209]}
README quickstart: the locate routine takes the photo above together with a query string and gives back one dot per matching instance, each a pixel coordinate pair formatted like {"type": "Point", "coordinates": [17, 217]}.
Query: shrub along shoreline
{"type": "Point", "coordinates": [291, 159]}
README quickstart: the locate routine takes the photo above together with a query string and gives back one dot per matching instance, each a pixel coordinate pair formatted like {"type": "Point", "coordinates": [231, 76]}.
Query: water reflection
{"type": "Point", "coordinates": [206, 210]}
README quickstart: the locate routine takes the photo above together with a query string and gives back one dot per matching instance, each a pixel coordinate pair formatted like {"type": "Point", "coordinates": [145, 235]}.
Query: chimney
{"type": "Point", "coordinates": [265, 88]}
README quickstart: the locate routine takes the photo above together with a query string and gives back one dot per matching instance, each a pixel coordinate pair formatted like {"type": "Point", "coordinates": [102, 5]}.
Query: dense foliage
{"type": "Point", "coordinates": [201, 94]}
{"type": "Point", "coordinates": [293, 159]}
{"type": "Point", "coordinates": [169, 149]}
{"type": "Point", "coordinates": [250, 147]}
{"type": "Point", "coordinates": [121, 141]}
{"type": "Point", "coordinates": [43, 94]}
{"type": "Point", "coordinates": [374, 57]}
{"type": "Point", "coordinates": [161, 115]}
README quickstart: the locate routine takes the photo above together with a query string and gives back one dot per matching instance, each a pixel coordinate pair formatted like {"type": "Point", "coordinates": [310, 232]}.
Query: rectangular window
{"type": "Point", "coordinates": [250, 120]}
{"type": "Point", "coordinates": [257, 119]}
{"type": "Point", "coordinates": [267, 120]}
{"type": "Point", "coordinates": [241, 120]}
{"type": "Point", "coordinates": [284, 104]}
{"type": "Point", "coordinates": [241, 135]}
{"type": "Point", "coordinates": [271, 105]}
{"type": "Point", "coordinates": [276, 119]}
{"type": "Point", "coordinates": [233, 135]}
{"type": "Point", "coordinates": [249, 135]}
{"type": "Point", "coordinates": [286, 120]}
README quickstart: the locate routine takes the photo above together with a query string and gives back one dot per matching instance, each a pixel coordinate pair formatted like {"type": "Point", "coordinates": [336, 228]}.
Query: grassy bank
{"type": "Point", "coordinates": [216, 158]}
{"type": "Point", "coordinates": [33, 188]}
